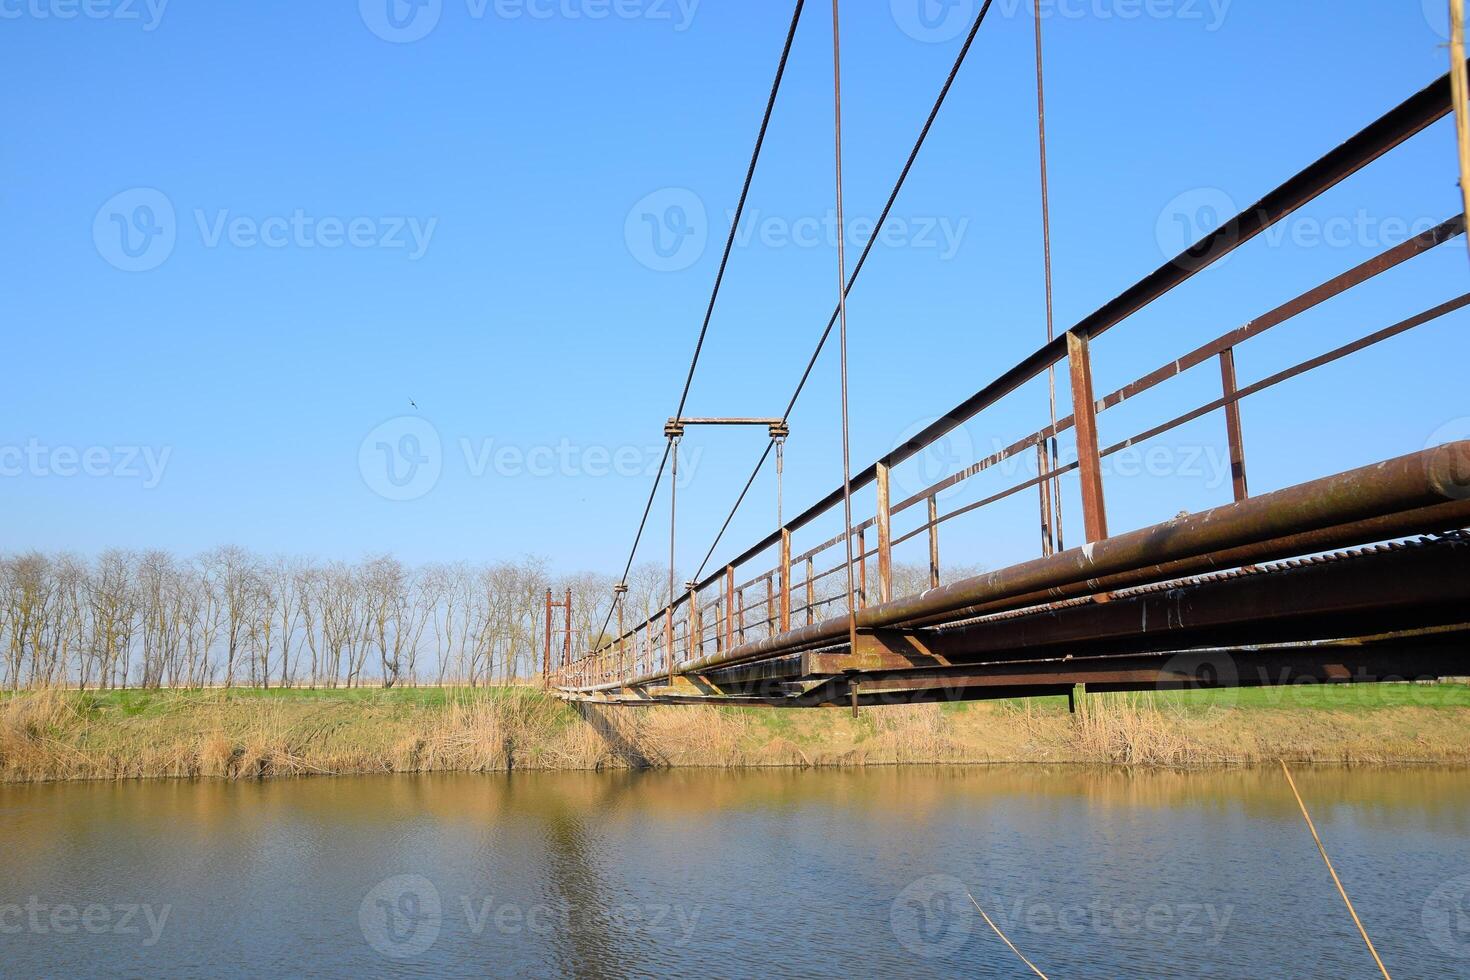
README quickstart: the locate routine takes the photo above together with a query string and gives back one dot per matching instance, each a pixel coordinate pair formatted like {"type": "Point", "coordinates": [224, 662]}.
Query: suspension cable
{"type": "Point", "coordinates": [862, 261]}
{"type": "Point", "coordinates": [842, 331]}
{"type": "Point", "coordinates": [719, 281]}
{"type": "Point", "coordinates": [1053, 495]}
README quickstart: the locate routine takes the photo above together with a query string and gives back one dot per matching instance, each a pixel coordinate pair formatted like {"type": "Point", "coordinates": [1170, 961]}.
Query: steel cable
{"type": "Point", "coordinates": [715, 293]}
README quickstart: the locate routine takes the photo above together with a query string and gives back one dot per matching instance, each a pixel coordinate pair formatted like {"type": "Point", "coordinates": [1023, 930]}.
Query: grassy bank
{"type": "Point", "coordinates": [254, 734]}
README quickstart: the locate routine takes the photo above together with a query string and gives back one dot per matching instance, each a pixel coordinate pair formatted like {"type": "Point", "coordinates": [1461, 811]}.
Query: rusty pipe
{"type": "Point", "coordinates": [1414, 482]}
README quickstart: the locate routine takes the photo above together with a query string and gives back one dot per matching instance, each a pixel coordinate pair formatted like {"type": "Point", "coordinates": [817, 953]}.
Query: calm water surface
{"type": "Point", "coordinates": [831, 874]}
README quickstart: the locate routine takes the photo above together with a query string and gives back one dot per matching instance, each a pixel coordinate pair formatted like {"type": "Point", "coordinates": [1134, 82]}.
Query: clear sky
{"type": "Point", "coordinates": [240, 239]}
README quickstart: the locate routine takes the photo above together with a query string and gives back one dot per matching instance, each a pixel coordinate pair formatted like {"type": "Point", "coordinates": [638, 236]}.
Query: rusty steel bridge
{"type": "Point", "coordinates": [1358, 576]}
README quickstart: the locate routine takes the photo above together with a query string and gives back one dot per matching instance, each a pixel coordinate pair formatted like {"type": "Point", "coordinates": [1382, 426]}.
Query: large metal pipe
{"type": "Point", "coordinates": [1409, 483]}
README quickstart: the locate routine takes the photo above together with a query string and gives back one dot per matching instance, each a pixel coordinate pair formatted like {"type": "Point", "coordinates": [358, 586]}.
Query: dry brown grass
{"type": "Point", "coordinates": [56, 735]}
{"type": "Point", "coordinates": [1130, 730]}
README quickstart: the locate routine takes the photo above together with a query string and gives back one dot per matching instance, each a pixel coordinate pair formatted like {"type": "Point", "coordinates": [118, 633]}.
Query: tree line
{"type": "Point", "coordinates": [229, 617]}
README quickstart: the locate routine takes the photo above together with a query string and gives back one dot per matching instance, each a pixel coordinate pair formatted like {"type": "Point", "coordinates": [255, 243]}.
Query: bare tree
{"type": "Point", "coordinates": [234, 575]}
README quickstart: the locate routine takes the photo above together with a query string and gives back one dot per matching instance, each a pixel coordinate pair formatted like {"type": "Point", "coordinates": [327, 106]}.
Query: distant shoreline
{"type": "Point", "coordinates": [255, 734]}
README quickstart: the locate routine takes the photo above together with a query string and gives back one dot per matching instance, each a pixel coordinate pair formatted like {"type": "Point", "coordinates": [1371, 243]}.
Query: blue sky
{"type": "Point", "coordinates": [240, 239]}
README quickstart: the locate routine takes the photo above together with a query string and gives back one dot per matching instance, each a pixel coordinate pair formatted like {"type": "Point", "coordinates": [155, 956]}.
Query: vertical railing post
{"type": "Point", "coordinates": [1043, 467]}
{"type": "Point", "coordinates": [618, 593]}
{"type": "Point", "coordinates": [785, 580]}
{"type": "Point", "coordinates": [729, 607]}
{"type": "Point", "coordinates": [770, 604]}
{"type": "Point", "coordinates": [933, 542]}
{"type": "Point", "coordinates": [694, 642]}
{"type": "Point", "coordinates": [862, 560]}
{"type": "Point", "coordinates": [567, 648]}
{"type": "Point", "coordinates": [546, 662]}
{"type": "Point", "coordinates": [1232, 425]}
{"type": "Point", "coordinates": [719, 607]}
{"type": "Point", "coordinates": [885, 538]}
{"type": "Point", "coordinates": [740, 614]}
{"type": "Point", "coordinates": [811, 592]}
{"type": "Point", "coordinates": [1084, 416]}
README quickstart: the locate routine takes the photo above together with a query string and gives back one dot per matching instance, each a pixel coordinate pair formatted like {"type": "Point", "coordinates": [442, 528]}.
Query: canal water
{"type": "Point", "coordinates": [718, 874]}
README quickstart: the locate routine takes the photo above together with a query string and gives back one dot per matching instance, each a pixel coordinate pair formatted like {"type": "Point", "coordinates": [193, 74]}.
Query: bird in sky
{"type": "Point", "coordinates": [413, 404]}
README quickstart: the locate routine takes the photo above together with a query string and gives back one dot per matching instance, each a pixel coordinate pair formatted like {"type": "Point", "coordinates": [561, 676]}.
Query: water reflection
{"type": "Point", "coordinates": [831, 873]}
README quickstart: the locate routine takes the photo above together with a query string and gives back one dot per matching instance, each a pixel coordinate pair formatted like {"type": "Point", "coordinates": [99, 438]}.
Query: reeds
{"type": "Point", "coordinates": [60, 735]}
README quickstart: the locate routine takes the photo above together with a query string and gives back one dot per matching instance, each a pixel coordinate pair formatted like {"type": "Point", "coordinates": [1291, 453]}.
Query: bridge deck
{"type": "Point", "coordinates": [1257, 591]}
